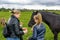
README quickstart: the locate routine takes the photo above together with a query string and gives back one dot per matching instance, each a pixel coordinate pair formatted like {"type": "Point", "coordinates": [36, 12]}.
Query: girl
{"type": "Point", "coordinates": [16, 32]}
{"type": "Point", "coordinates": [38, 29]}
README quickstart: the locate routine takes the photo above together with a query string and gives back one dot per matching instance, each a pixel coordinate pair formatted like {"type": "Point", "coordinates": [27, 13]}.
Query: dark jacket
{"type": "Point", "coordinates": [38, 32]}
{"type": "Point", "coordinates": [14, 27]}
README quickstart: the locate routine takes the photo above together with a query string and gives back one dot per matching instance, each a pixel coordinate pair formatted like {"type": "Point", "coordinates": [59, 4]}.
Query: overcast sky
{"type": "Point", "coordinates": [30, 4]}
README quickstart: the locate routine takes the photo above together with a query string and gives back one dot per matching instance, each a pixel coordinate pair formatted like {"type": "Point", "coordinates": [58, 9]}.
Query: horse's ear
{"type": "Point", "coordinates": [37, 11]}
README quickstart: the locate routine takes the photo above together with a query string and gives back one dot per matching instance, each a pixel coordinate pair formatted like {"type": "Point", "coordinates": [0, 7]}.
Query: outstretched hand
{"type": "Point", "coordinates": [25, 30]}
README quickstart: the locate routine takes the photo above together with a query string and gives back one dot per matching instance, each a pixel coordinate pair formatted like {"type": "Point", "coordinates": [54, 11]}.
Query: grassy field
{"type": "Point", "coordinates": [25, 17]}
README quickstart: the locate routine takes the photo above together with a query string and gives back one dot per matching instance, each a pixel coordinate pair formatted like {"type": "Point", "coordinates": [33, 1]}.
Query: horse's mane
{"type": "Point", "coordinates": [51, 13]}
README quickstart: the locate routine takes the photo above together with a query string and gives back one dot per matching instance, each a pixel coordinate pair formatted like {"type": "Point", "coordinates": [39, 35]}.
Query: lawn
{"type": "Point", "coordinates": [25, 17]}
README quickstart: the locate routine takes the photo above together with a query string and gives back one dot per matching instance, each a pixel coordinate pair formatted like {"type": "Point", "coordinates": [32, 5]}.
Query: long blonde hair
{"type": "Point", "coordinates": [39, 18]}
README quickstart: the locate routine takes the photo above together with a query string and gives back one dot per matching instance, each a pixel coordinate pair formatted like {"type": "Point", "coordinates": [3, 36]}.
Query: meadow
{"type": "Point", "coordinates": [25, 17]}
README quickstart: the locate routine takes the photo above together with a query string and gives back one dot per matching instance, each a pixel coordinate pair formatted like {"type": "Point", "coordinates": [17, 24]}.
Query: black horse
{"type": "Point", "coordinates": [51, 19]}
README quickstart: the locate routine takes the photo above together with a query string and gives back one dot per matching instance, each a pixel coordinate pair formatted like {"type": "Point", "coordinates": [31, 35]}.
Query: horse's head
{"type": "Point", "coordinates": [31, 22]}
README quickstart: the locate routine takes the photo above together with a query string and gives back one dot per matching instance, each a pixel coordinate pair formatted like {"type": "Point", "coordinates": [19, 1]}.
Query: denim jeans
{"type": "Point", "coordinates": [13, 38]}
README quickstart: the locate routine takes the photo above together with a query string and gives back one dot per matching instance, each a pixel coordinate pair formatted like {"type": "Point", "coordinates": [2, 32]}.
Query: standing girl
{"type": "Point", "coordinates": [15, 32]}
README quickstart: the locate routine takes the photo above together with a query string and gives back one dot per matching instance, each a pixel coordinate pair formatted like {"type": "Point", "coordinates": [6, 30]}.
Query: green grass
{"type": "Point", "coordinates": [25, 17]}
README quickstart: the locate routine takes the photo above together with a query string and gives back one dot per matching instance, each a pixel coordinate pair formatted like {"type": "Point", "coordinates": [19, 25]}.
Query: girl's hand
{"type": "Point", "coordinates": [25, 30]}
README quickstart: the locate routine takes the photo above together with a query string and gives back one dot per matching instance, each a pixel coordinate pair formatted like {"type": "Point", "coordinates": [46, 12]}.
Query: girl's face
{"type": "Point", "coordinates": [35, 19]}
{"type": "Point", "coordinates": [17, 15]}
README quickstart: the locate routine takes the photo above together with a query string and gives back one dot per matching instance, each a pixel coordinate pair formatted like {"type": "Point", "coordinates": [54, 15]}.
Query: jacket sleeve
{"type": "Point", "coordinates": [43, 30]}
{"type": "Point", "coordinates": [34, 33]}
{"type": "Point", "coordinates": [21, 30]}
{"type": "Point", "coordinates": [17, 31]}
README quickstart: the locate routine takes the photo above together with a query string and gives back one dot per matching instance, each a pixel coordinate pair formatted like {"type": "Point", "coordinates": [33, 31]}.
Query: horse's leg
{"type": "Point", "coordinates": [55, 36]}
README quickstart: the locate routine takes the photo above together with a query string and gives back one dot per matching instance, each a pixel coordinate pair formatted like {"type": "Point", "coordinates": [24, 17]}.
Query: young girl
{"type": "Point", "coordinates": [16, 32]}
{"type": "Point", "coordinates": [38, 29]}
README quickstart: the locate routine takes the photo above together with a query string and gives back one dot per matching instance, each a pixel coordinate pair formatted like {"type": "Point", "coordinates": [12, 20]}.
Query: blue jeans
{"type": "Point", "coordinates": [13, 38]}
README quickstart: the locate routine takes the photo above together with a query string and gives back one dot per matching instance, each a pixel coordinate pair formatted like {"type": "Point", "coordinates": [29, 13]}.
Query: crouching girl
{"type": "Point", "coordinates": [38, 28]}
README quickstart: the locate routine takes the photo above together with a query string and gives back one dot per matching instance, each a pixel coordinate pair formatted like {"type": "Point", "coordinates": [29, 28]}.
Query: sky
{"type": "Point", "coordinates": [31, 4]}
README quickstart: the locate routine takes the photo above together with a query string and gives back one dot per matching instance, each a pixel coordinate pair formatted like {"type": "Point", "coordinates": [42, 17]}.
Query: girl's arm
{"type": "Point", "coordinates": [34, 33]}
{"type": "Point", "coordinates": [17, 31]}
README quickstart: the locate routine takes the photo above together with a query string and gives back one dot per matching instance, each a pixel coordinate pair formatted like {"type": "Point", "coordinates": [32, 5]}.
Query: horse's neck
{"type": "Point", "coordinates": [48, 19]}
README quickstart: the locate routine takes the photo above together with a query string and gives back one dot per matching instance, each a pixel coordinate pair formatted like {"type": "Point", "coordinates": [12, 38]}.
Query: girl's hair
{"type": "Point", "coordinates": [3, 21]}
{"type": "Point", "coordinates": [15, 11]}
{"type": "Point", "coordinates": [39, 18]}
